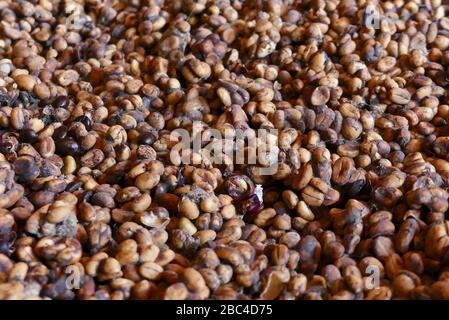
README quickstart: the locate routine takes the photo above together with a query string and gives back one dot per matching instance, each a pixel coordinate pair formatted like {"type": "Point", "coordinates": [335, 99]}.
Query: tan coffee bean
{"type": "Point", "coordinates": [68, 77]}
{"type": "Point", "coordinates": [150, 270]}
{"type": "Point", "coordinates": [399, 96]}
{"type": "Point", "coordinates": [25, 82]}
{"type": "Point", "coordinates": [320, 95]}
{"type": "Point", "coordinates": [189, 209]}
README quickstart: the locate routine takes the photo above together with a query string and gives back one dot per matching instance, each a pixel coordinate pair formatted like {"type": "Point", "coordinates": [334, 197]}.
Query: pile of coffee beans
{"type": "Point", "coordinates": [98, 199]}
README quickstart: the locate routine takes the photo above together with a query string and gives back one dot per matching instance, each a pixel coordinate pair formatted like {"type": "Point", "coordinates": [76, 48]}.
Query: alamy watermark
{"type": "Point", "coordinates": [226, 147]}
{"type": "Point", "coordinates": [75, 18]}
{"type": "Point", "coordinates": [372, 280]}
{"type": "Point", "coordinates": [373, 16]}
{"type": "Point", "coordinates": [73, 279]}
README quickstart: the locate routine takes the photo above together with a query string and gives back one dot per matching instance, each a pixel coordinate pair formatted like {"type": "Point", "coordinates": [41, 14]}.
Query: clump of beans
{"type": "Point", "coordinates": [97, 202]}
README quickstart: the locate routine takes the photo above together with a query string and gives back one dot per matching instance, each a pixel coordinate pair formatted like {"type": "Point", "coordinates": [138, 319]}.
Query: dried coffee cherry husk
{"type": "Point", "coordinates": [7, 241]}
{"type": "Point", "coordinates": [249, 207]}
{"type": "Point", "coordinates": [239, 186]}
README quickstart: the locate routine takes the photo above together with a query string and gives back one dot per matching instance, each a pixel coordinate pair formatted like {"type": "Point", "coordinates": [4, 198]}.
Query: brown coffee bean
{"type": "Point", "coordinates": [101, 168]}
{"type": "Point", "coordinates": [399, 96]}
{"type": "Point", "coordinates": [68, 77]}
{"type": "Point", "coordinates": [25, 82]}
{"type": "Point", "coordinates": [320, 96]}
